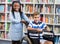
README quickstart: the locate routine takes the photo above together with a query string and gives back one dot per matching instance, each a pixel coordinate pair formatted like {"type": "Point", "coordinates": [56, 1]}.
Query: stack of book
{"type": "Point", "coordinates": [2, 8]}
{"type": "Point", "coordinates": [29, 8]}
{"type": "Point", "coordinates": [2, 34]}
{"type": "Point", "coordinates": [2, 17]}
{"type": "Point", "coordinates": [49, 9]}
{"type": "Point", "coordinates": [2, 0]}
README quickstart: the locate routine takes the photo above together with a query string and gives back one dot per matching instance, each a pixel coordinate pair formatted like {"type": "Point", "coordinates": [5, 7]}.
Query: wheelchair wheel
{"type": "Point", "coordinates": [26, 40]}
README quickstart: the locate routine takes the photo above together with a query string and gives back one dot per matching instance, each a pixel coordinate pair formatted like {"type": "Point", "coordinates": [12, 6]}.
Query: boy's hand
{"type": "Point", "coordinates": [38, 30]}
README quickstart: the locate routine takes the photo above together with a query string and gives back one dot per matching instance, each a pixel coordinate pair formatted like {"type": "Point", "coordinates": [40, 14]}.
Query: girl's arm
{"type": "Point", "coordinates": [25, 17]}
{"type": "Point", "coordinates": [11, 18]}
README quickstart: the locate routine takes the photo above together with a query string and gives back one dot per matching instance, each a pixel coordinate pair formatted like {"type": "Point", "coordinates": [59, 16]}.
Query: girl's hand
{"type": "Point", "coordinates": [23, 21]}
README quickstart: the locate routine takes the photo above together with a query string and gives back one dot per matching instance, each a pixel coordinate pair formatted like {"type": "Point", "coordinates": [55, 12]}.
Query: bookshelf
{"type": "Point", "coordinates": [49, 13]}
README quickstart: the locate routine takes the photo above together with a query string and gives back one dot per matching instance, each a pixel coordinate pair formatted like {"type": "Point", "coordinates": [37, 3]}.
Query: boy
{"type": "Point", "coordinates": [37, 25]}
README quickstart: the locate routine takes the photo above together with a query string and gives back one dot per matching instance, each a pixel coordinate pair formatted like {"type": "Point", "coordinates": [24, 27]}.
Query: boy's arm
{"type": "Point", "coordinates": [30, 28]}
{"type": "Point", "coordinates": [34, 29]}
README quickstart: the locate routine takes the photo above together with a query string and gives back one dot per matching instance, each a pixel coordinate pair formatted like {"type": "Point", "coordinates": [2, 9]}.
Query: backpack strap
{"type": "Point", "coordinates": [20, 15]}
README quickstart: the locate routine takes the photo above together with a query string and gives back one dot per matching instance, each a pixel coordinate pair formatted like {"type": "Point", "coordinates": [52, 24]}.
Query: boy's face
{"type": "Point", "coordinates": [16, 6]}
{"type": "Point", "coordinates": [36, 18]}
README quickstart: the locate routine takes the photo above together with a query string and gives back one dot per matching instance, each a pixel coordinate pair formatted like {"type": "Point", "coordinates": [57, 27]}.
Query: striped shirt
{"type": "Point", "coordinates": [39, 25]}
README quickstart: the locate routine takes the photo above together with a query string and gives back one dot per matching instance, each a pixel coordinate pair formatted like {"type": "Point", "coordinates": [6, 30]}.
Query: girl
{"type": "Point", "coordinates": [16, 27]}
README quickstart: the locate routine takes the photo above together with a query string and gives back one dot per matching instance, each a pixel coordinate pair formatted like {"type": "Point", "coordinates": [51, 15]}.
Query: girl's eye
{"type": "Point", "coordinates": [36, 17]}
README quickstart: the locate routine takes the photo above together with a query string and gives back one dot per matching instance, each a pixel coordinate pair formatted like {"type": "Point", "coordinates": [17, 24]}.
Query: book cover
{"type": "Point", "coordinates": [7, 27]}
{"type": "Point", "coordinates": [2, 35]}
{"type": "Point", "coordinates": [1, 8]}
{"type": "Point", "coordinates": [27, 8]}
{"type": "Point", "coordinates": [30, 8]}
{"type": "Point", "coordinates": [45, 1]}
{"type": "Point", "coordinates": [3, 0]}
{"type": "Point", "coordinates": [9, 0]}
{"type": "Point", "coordinates": [3, 18]}
{"type": "Point", "coordinates": [27, 0]}
{"type": "Point", "coordinates": [9, 7]}
{"type": "Point", "coordinates": [46, 19]}
{"type": "Point", "coordinates": [57, 1]}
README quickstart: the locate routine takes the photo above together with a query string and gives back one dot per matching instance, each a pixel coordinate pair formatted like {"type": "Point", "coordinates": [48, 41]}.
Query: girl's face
{"type": "Point", "coordinates": [16, 6]}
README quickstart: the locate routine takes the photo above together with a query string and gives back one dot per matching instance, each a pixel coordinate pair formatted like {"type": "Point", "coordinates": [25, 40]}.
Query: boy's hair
{"type": "Point", "coordinates": [35, 13]}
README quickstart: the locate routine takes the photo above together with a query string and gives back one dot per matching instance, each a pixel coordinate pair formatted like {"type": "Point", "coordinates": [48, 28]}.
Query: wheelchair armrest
{"type": "Point", "coordinates": [32, 31]}
{"type": "Point", "coordinates": [49, 31]}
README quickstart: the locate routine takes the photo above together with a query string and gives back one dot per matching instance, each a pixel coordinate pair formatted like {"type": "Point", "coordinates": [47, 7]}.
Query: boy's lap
{"type": "Point", "coordinates": [46, 42]}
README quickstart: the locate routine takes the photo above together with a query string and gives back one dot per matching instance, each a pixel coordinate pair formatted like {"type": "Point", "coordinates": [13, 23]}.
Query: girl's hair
{"type": "Point", "coordinates": [14, 9]}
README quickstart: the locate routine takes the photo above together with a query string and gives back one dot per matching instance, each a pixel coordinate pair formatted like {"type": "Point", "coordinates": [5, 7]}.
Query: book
{"type": "Point", "coordinates": [49, 19]}
{"type": "Point", "coordinates": [9, 0]}
{"type": "Point", "coordinates": [8, 17]}
{"type": "Point", "coordinates": [2, 0]}
{"type": "Point", "coordinates": [2, 26]}
{"type": "Point", "coordinates": [38, 1]}
{"type": "Point", "coordinates": [49, 9]}
{"type": "Point", "coordinates": [57, 1]}
{"type": "Point", "coordinates": [51, 1]}
{"type": "Point", "coordinates": [2, 8]}
{"type": "Point", "coordinates": [2, 17]}
{"type": "Point", "coordinates": [22, 0]}
{"type": "Point", "coordinates": [58, 19]}
{"type": "Point", "coordinates": [46, 20]}
{"type": "Point", "coordinates": [45, 1]}
{"type": "Point", "coordinates": [12, 0]}
{"type": "Point", "coordinates": [52, 9]}
{"type": "Point", "coordinates": [2, 34]}
{"type": "Point", "coordinates": [7, 27]}
{"type": "Point", "coordinates": [48, 1]}
{"type": "Point", "coordinates": [29, 8]}
{"type": "Point", "coordinates": [9, 7]}
{"type": "Point", "coordinates": [49, 28]}
{"type": "Point", "coordinates": [27, 0]}
{"type": "Point", "coordinates": [38, 8]}
{"type": "Point", "coordinates": [57, 9]}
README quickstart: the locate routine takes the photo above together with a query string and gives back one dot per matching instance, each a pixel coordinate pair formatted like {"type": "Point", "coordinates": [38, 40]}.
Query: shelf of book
{"type": "Point", "coordinates": [49, 9]}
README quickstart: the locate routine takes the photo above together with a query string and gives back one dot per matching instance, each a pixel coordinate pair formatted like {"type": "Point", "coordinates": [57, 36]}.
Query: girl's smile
{"type": "Point", "coordinates": [16, 6]}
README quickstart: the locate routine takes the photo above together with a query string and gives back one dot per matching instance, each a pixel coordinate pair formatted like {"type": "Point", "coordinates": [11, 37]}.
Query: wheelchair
{"type": "Point", "coordinates": [32, 37]}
